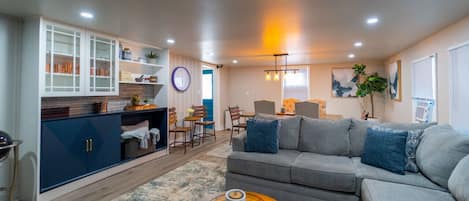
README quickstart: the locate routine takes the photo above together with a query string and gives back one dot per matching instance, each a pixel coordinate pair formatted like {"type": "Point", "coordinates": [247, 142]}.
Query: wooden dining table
{"type": "Point", "coordinates": [248, 115]}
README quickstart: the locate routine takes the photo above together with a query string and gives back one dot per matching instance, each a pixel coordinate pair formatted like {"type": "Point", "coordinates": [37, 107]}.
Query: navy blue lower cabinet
{"type": "Point", "coordinates": [72, 148]}
{"type": "Point", "coordinates": [104, 142]}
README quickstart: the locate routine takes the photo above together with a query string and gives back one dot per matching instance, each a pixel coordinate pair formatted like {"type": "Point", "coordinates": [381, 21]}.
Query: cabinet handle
{"type": "Point", "coordinates": [87, 148]}
{"type": "Point", "coordinates": [91, 144]}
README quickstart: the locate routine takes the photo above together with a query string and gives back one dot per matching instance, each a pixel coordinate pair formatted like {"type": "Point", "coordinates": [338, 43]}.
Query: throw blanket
{"type": "Point", "coordinates": [140, 133]}
{"type": "Point", "coordinates": [143, 135]}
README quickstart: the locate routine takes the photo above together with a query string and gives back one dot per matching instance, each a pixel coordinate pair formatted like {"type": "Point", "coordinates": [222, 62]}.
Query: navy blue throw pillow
{"type": "Point", "coordinates": [385, 150]}
{"type": "Point", "coordinates": [262, 136]}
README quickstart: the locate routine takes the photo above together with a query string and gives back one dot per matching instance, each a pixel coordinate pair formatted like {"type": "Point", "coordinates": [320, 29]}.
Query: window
{"type": "Point", "coordinates": [296, 85]}
{"type": "Point", "coordinates": [424, 89]}
{"type": "Point", "coordinates": [207, 85]}
{"type": "Point", "coordinates": [459, 94]}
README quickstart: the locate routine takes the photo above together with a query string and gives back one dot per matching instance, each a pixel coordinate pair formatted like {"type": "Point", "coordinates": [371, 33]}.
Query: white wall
{"type": "Point", "coordinates": [184, 100]}
{"type": "Point", "coordinates": [10, 41]}
{"type": "Point", "coordinates": [437, 43]}
{"type": "Point", "coordinates": [247, 84]}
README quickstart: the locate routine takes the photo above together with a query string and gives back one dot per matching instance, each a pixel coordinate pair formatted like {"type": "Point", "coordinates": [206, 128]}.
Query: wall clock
{"type": "Point", "coordinates": [181, 78]}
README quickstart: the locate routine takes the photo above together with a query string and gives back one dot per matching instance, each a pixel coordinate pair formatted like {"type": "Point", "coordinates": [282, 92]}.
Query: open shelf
{"type": "Point", "coordinates": [141, 83]}
{"type": "Point", "coordinates": [141, 63]}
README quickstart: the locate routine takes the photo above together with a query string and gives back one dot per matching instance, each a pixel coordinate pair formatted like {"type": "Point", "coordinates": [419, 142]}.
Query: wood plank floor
{"type": "Point", "coordinates": [128, 180]}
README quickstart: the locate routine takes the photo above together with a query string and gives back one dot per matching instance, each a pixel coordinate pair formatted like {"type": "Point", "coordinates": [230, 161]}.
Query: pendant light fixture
{"type": "Point", "coordinates": [278, 69]}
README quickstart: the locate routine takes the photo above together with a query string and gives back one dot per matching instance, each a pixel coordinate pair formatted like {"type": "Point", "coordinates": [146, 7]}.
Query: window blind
{"type": "Point", "coordinates": [296, 85]}
{"type": "Point", "coordinates": [459, 93]}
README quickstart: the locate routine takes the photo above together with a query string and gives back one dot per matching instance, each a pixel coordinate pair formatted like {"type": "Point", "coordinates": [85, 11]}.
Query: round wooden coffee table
{"type": "Point", "coordinates": [250, 196]}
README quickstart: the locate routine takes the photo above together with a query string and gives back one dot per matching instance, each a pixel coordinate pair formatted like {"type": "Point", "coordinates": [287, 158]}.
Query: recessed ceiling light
{"type": "Point", "coordinates": [235, 61]}
{"type": "Point", "coordinates": [358, 44]}
{"type": "Point", "coordinates": [372, 20]}
{"type": "Point", "coordinates": [87, 15]}
{"type": "Point", "coordinates": [170, 41]}
{"type": "Point", "coordinates": [351, 56]}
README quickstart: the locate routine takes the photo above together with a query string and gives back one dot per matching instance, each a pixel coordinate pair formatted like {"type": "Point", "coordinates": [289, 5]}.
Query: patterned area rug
{"type": "Point", "coordinates": [222, 151]}
{"type": "Point", "coordinates": [195, 181]}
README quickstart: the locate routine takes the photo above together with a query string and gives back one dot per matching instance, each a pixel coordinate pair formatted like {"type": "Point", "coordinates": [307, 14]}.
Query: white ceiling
{"type": "Point", "coordinates": [313, 31]}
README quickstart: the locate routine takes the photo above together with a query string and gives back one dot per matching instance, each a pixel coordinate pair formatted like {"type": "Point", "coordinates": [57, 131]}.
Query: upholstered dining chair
{"type": "Point", "coordinates": [264, 107]}
{"type": "Point", "coordinates": [289, 104]}
{"type": "Point", "coordinates": [236, 123]}
{"type": "Point", "coordinates": [201, 111]}
{"type": "Point", "coordinates": [173, 128]}
{"type": "Point", "coordinates": [322, 106]}
{"type": "Point", "coordinates": [307, 109]}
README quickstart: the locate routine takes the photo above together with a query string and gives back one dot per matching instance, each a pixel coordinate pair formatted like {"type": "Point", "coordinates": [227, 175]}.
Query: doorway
{"type": "Point", "coordinates": [207, 93]}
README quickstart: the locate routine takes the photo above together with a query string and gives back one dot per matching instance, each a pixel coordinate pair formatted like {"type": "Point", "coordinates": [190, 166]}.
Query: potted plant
{"type": "Point", "coordinates": [369, 84]}
{"type": "Point", "coordinates": [152, 57]}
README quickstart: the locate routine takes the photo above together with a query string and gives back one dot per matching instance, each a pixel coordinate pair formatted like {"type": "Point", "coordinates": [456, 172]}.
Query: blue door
{"type": "Point", "coordinates": [207, 93]}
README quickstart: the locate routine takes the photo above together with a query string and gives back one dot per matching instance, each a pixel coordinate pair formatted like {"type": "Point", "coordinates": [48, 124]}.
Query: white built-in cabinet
{"type": "Point", "coordinates": [78, 62]}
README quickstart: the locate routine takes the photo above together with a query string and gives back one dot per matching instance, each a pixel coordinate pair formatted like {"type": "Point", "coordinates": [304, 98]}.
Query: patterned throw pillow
{"type": "Point", "coordinates": [413, 140]}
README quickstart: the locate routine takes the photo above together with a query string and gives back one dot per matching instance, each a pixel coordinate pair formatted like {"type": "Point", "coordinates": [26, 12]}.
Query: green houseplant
{"type": "Point", "coordinates": [368, 84]}
{"type": "Point", "coordinates": [152, 57]}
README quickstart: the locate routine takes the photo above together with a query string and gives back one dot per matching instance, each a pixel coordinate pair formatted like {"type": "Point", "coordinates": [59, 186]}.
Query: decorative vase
{"type": "Point", "coordinates": [152, 60]}
{"type": "Point", "coordinates": [5, 140]}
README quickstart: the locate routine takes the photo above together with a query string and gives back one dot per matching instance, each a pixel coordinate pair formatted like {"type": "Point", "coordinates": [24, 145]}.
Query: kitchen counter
{"type": "Point", "coordinates": [122, 112]}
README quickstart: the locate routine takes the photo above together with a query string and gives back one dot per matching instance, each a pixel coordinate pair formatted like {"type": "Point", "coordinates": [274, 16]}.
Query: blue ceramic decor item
{"type": "Point", "coordinates": [5, 140]}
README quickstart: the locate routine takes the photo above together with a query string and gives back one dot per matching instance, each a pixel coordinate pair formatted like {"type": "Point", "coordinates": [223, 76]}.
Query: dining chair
{"type": "Point", "coordinates": [264, 107]}
{"type": "Point", "coordinates": [201, 111]}
{"type": "Point", "coordinates": [322, 106]}
{"type": "Point", "coordinates": [236, 123]}
{"type": "Point", "coordinates": [176, 130]}
{"type": "Point", "coordinates": [307, 109]}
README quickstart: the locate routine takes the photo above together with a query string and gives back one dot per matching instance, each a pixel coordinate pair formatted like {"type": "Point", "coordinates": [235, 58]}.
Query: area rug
{"type": "Point", "coordinates": [195, 181]}
{"type": "Point", "coordinates": [222, 151]}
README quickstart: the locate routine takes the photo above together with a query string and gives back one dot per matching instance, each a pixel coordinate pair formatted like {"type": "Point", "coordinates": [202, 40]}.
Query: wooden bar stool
{"type": "Point", "coordinates": [235, 120]}
{"type": "Point", "coordinates": [201, 111]}
{"type": "Point", "coordinates": [173, 128]}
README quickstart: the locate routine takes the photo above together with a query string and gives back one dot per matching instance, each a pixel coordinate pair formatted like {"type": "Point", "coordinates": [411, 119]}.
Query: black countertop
{"type": "Point", "coordinates": [123, 112]}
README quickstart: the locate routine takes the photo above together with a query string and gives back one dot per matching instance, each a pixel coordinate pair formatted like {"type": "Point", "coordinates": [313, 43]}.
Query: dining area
{"type": "Point", "coordinates": [312, 108]}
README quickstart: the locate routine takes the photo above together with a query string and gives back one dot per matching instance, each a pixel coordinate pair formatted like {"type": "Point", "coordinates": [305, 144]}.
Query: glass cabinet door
{"type": "Point", "coordinates": [102, 79]}
{"type": "Point", "coordinates": [62, 62]}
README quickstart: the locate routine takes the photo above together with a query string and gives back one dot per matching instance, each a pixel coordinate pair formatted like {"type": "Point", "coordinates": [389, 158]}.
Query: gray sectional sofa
{"type": "Point", "coordinates": [320, 160]}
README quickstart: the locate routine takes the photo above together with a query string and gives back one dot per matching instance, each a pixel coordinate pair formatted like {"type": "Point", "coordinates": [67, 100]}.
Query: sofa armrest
{"type": "Point", "coordinates": [239, 141]}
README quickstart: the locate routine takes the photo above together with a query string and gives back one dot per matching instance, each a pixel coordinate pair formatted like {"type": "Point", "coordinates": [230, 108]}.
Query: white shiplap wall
{"type": "Point", "coordinates": [184, 100]}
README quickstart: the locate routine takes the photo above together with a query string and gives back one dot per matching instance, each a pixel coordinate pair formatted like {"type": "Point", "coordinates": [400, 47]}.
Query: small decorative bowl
{"type": "Point", "coordinates": [235, 195]}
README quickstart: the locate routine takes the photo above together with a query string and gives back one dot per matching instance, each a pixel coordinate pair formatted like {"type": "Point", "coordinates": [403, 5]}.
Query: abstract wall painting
{"type": "Point", "coordinates": [394, 81]}
{"type": "Point", "coordinates": [344, 82]}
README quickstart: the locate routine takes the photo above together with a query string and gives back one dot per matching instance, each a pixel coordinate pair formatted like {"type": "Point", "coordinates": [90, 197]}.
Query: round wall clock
{"type": "Point", "coordinates": [181, 78]}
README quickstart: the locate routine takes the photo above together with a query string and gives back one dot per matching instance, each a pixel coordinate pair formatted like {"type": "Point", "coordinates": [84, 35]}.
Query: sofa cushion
{"type": "Point", "coordinates": [334, 173]}
{"type": "Point", "coordinates": [289, 130]}
{"type": "Point", "coordinates": [274, 167]}
{"type": "Point", "coordinates": [386, 149]}
{"type": "Point", "coordinates": [440, 150]}
{"type": "Point", "coordinates": [459, 180]}
{"type": "Point", "coordinates": [363, 171]}
{"type": "Point", "coordinates": [373, 190]}
{"type": "Point", "coordinates": [262, 136]}
{"type": "Point", "coordinates": [358, 132]}
{"type": "Point", "coordinates": [325, 136]}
